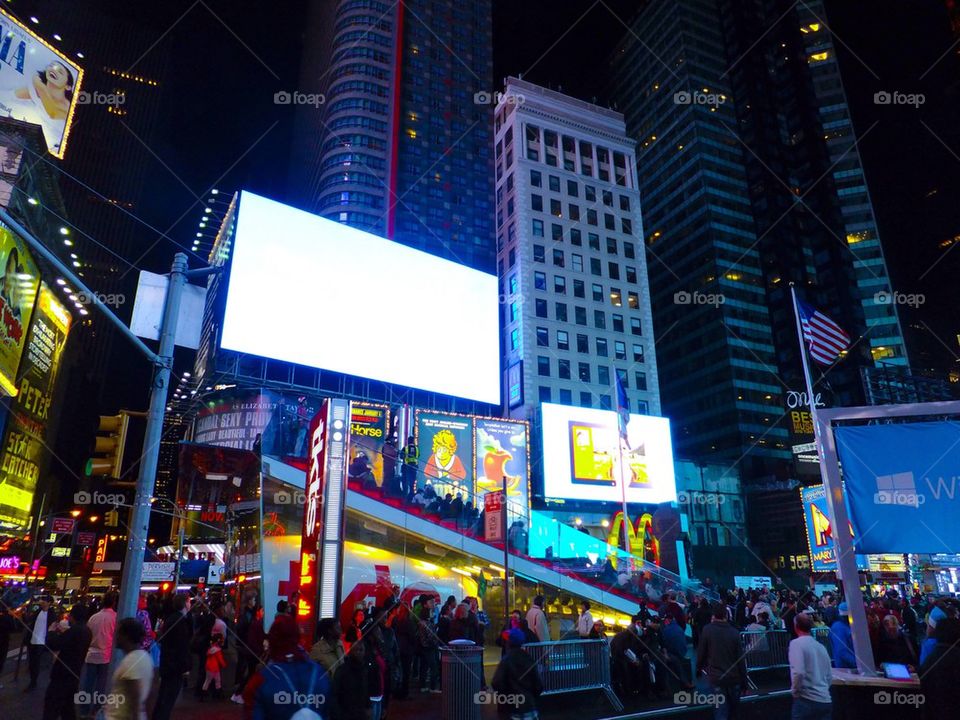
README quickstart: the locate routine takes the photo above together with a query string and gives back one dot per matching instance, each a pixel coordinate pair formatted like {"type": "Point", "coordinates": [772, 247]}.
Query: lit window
{"type": "Point", "coordinates": [818, 57]}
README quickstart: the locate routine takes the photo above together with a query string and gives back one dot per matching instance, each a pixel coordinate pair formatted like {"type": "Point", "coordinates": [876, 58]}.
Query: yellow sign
{"type": "Point", "coordinates": [18, 293]}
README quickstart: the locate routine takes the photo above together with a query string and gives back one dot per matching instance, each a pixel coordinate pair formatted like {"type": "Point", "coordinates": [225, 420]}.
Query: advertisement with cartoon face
{"type": "Point", "coordinates": [501, 451]}
{"type": "Point", "coordinates": [446, 444]}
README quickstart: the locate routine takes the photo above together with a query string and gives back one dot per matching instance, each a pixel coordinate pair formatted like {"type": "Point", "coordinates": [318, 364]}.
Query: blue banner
{"type": "Point", "coordinates": [901, 484]}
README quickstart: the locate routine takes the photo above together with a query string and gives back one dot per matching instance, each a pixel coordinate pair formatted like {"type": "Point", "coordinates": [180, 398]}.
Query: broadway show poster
{"type": "Point", "coordinates": [23, 455]}
{"type": "Point", "coordinates": [368, 433]}
{"type": "Point", "coordinates": [235, 419]}
{"type": "Point", "coordinates": [38, 84]}
{"type": "Point", "coordinates": [501, 450]}
{"type": "Point", "coordinates": [446, 452]}
{"type": "Point", "coordinates": [18, 293]}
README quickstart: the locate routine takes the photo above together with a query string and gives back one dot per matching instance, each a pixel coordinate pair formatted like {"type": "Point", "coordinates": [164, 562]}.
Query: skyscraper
{"type": "Point", "coordinates": [397, 140]}
{"type": "Point", "coordinates": [576, 305]}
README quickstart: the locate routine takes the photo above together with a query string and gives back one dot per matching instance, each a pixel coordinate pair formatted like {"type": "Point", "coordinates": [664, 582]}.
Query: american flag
{"type": "Point", "coordinates": [826, 339]}
{"type": "Point", "coordinates": [623, 409]}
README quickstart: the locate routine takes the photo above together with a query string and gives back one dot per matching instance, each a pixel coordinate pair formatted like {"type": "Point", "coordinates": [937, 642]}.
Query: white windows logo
{"type": "Point", "coordinates": [898, 489]}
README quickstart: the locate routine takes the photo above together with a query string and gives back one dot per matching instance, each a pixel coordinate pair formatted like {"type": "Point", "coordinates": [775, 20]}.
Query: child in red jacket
{"type": "Point", "coordinates": [214, 664]}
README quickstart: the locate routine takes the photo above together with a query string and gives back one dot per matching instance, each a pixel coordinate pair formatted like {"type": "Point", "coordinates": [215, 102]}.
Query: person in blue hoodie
{"type": "Point", "coordinates": [841, 638]}
{"type": "Point", "coordinates": [290, 681]}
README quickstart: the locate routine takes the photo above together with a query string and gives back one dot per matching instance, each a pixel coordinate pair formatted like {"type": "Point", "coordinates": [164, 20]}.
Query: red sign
{"type": "Point", "coordinates": [493, 516]}
{"type": "Point", "coordinates": [312, 523]}
{"type": "Point", "coordinates": [9, 565]}
{"type": "Point", "coordinates": [63, 525]}
{"type": "Point", "coordinates": [86, 539]}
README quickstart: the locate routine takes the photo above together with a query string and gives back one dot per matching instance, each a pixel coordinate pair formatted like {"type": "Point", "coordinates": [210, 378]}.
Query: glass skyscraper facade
{"type": "Point", "coordinates": [400, 144]}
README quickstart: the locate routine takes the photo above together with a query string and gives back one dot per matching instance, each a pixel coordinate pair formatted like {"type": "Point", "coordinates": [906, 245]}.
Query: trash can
{"type": "Point", "coordinates": [461, 671]}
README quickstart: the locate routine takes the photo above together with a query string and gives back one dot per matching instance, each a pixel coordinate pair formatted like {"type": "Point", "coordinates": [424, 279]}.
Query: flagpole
{"type": "Point", "coordinates": [623, 477]}
{"type": "Point", "coordinates": [847, 571]}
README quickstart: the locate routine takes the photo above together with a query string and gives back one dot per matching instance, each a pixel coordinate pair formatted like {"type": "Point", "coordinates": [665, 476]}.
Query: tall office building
{"type": "Point", "coordinates": [400, 145]}
{"type": "Point", "coordinates": [749, 155]}
{"type": "Point", "coordinates": [570, 255]}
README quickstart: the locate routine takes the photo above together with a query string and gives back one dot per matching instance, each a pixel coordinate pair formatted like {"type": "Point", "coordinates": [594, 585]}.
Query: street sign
{"type": "Point", "coordinates": [158, 571]}
{"type": "Point", "coordinates": [86, 539]}
{"type": "Point", "coordinates": [493, 516]}
{"type": "Point", "coordinates": [63, 525]}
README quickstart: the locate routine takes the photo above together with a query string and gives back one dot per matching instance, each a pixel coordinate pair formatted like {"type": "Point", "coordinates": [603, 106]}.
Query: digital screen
{"type": "Point", "coordinates": [38, 84]}
{"type": "Point", "coordinates": [585, 459]}
{"type": "Point", "coordinates": [311, 291]}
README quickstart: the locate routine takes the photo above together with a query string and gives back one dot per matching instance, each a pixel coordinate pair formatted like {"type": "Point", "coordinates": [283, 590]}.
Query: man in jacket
{"type": "Point", "coordinates": [174, 639]}
{"type": "Point", "coordinates": [328, 650]}
{"type": "Point", "coordinates": [537, 619]}
{"type": "Point", "coordinates": [38, 627]}
{"type": "Point", "coordinates": [517, 678]}
{"type": "Point", "coordinates": [71, 646]}
{"type": "Point", "coordinates": [350, 687]}
{"type": "Point", "coordinates": [719, 654]}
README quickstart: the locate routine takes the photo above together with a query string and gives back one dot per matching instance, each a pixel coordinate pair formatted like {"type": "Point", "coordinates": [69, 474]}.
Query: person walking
{"type": "Point", "coordinates": [96, 667]}
{"type": "Point", "coordinates": [38, 627]}
{"type": "Point", "coordinates": [537, 619]}
{"type": "Point", "coordinates": [517, 675]}
{"type": "Point", "coordinates": [133, 678]}
{"type": "Point", "coordinates": [247, 655]}
{"type": "Point", "coordinates": [213, 666]}
{"type": "Point", "coordinates": [719, 656]}
{"type": "Point", "coordinates": [350, 685]}
{"type": "Point", "coordinates": [841, 640]}
{"type": "Point", "coordinates": [429, 644]}
{"type": "Point", "coordinates": [174, 639]}
{"type": "Point", "coordinates": [810, 673]}
{"type": "Point", "coordinates": [585, 621]}
{"type": "Point", "coordinates": [70, 641]}
{"type": "Point", "coordinates": [410, 459]}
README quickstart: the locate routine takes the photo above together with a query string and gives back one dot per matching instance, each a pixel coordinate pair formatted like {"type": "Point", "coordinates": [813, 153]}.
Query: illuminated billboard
{"type": "Point", "coordinates": [308, 290]}
{"type": "Point", "coordinates": [475, 454]}
{"type": "Point", "coordinates": [18, 293]}
{"type": "Point", "coordinates": [820, 541]}
{"type": "Point", "coordinates": [582, 456]}
{"type": "Point", "coordinates": [38, 84]}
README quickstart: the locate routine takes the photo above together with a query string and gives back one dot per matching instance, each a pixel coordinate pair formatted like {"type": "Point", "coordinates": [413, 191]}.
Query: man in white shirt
{"type": "Point", "coordinates": [585, 621]}
{"type": "Point", "coordinates": [810, 673]}
{"type": "Point", "coordinates": [37, 647]}
{"type": "Point", "coordinates": [537, 620]}
{"type": "Point", "coordinates": [96, 666]}
{"type": "Point", "coordinates": [133, 678]}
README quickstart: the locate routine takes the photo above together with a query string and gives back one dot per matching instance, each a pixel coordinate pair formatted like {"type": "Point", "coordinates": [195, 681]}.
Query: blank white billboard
{"type": "Point", "coordinates": [582, 456]}
{"type": "Point", "coordinates": [311, 291]}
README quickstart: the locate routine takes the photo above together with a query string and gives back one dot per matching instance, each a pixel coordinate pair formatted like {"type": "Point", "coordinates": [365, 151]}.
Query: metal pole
{"type": "Point", "coordinates": [140, 512]}
{"type": "Point", "coordinates": [176, 572]}
{"type": "Point", "coordinates": [506, 558]}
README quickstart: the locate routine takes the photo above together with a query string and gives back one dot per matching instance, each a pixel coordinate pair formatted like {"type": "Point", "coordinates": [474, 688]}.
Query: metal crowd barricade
{"type": "Point", "coordinates": [568, 666]}
{"type": "Point", "coordinates": [822, 636]}
{"type": "Point", "coordinates": [765, 650]}
{"type": "Point", "coordinates": [461, 672]}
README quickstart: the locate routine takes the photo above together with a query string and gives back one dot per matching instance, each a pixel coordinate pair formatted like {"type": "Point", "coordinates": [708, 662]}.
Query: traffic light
{"type": "Point", "coordinates": [111, 437]}
{"type": "Point", "coordinates": [164, 588]}
{"type": "Point", "coordinates": [111, 518]}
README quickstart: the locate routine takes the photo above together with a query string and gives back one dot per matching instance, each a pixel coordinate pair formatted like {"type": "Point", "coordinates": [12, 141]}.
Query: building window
{"type": "Point", "coordinates": [631, 274]}
{"type": "Point", "coordinates": [603, 375]}
{"type": "Point", "coordinates": [574, 211]}
{"type": "Point", "coordinates": [512, 257]}
{"type": "Point", "coordinates": [626, 226]}
{"type": "Point", "coordinates": [633, 301]}
{"type": "Point", "coordinates": [575, 237]}
{"type": "Point", "coordinates": [642, 407]}
{"type": "Point", "coordinates": [561, 310]}
{"type": "Point", "coordinates": [538, 228]}
{"type": "Point", "coordinates": [596, 268]}
{"type": "Point", "coordinates": [539, 254]}
{"type": "Point", "coordinates": [577, 262]}
{"type": "Point", "coordinates": [558, 258]}
{"type": "Point", "coordinates": [514, 339]}
{"type": "Point", "coordinates": [614, 270]}
{"type": "Point", "coordinates": [607, 198]}
{"type": "Point", "coordinates": [640, 380]}
{"type": "Point", "coordinates": [544, 394]}
{"type": "Point", "coordinates": [578, 288]}
{"type": "Point", "coordinates": [599, 319]}
{"type": "Point", "coordinates": [555, 183]}
{"type": "Point", "coordinates": [618, 323]}
{"type": "Point", "coordinates": [625, 203]}
{"type": "Point", "coordinates": [594, 241]}
{"type": "Point", "coordinates": [556, 232]}
{"type": "Point", "coordinates": [512, 283]}
{"type": "Point", "coordinates": [583, 344]}
{"type": "Point", "coordinates": [536, 202]}
{"type": "Point", "coordinates": [597, 292]}
{"type": "Point", "coordinates": [555, 208]}
{"type": "Point", "coordinates": [628, 250]}
{"type": "Point", "coordinates": [602, 347]}
{"type": "Point", "coordinates": [543, 366]}
{"type": "Point", "coordinates": [536, 179]}
{"type": "Point", "coordinates": [559, 285]}
{"type": "Point", "coordinates": [543, 337]}
{"type": "Point", "coordinates": [541, 308]}
{"type": "Point", "coordinates": [619, 350]}
{"type": "Point", "coordinates": [590, 193]}
{"type": "Point", "coordinates": [622, 374]}
{"type": "Point", "coordinates": [580, 315]}
{"type": "Point", "coordinates": [591, 217]}
{"type": "Point", "coordinates": [612, 245]}
{"type": "Point", "coordinates": [540, 281]}
{"type": "Point", "coordinates": [566, 397]}
{"type": "Point", "coordinates": [573, 190]}
{"type": "Point", "coordinates": [583, 372]}
{"type": "Point", "coordinates": [514, 311]}
{"type": "Point", "coordinates": [635, 328]}
{"type": "Point", "coordinates": [616, 299]}
{"type": "Point", "coordinates": [563, 340]}
{"type": "Point", "coordinates": [510, 207]}
{"type": "Point", "coordinates": [563, 369]}
{"type": "Point", "coordinates": [586, 399]}
{"type": "Point", "coordinates": [638, 353]}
